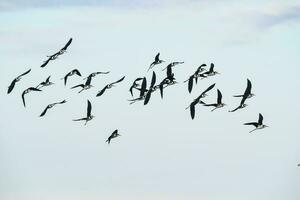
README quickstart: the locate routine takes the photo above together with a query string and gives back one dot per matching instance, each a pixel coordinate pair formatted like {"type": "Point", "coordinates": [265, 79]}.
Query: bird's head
{"type": "Point", "coordinates": [244, 105]}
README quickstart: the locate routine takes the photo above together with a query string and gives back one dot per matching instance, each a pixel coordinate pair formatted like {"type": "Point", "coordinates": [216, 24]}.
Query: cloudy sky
{"type": "Point", "coordinates": [162, 153]}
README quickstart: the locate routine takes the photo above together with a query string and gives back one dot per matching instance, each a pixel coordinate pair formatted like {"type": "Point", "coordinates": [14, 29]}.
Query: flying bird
{"type": "Point", "coordinates": [95, 74]}
{"type": "Point", "coordinates": [64, 49]}
{"type": "Point", "coordinates": [71, 73]}
{"type": "Point", "coordinates": [108, 86]}
{"type": "Point", "coordinates": [26, 92]}
{"type": "Point", "coordinates": [219, 103]}
{"type": "Point", "coordinates": [248, 89]}
{"type": "Point", "coordinates": [155, 62]}
{"type": "Point", "coordinates": [169, 80]}
{"type": "Point", "coordinates": [113, 135]}
{"type": "Point", "coordinates": [258, 125]}
{"type": "Point", "coordinates": [45, 83]}
{"type": "Point", "coordinates": [246, 95]}
{"type": "Point", "coordinates": [198, 100]}
{"type": "Point", "coordinates": [142, 90]}
{"type": "Point", "coordinates": [89, 116]}
{"type": "Point", "coordinates": [195, 76]}
{"type": "Point", "coordinates": [50, 106]}
{"type": "Point", "coordinates": [17, 79]}
{"type": "Point", "coordinates": [135, 85]}
{"type": "Point", "coordinates": [211, 71]}
{"type": "Point", "coordinates": [85, 86]}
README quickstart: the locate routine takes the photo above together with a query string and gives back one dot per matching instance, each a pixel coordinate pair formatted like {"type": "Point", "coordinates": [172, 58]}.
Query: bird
{"type": "Point", "coordinates": [172, 64]}
{"type": "Point", "coordinates": [85, 86]}
{"type": "Point", "coordinates": [151, 88]}
{"type": "Point", "coordinates": [89, 116]}
{"type": "Point", "coordinates": [50, 106]}
{"type": "Point", "coordinates": [45, 83]}
{"type": "Point", "coordinates": [219, 103]}
{"type": "Point", "coordinates": [113, 135]}
{"type": "Point", "coordinates": [195, 76]}
{"type": "Point", "coordinates": [155, 62]}
{"type": "Point", "coordinates": [135, 85]}
{"type": "Point", "coordinates": [95, 73]}
{"type": "Point", "coordinates": [142, 90]}
{"type": "Point", "coordinates": [258, 125]}
{"type": "Point", "coordinates": [52, 57]}
{"type": "Point", "coordinates": [246, 95]}
{"type": "Point", "coordinates": [108, 86]}
{"type": "Point", "coordinates": [71, 73]}
{"type": "Point", "coordinates": [211, 71]}
{"type": "Point", "coordinates": [198, 100]}
{"type": "Point", "coordinates": [169, 80]}
{"type": "Point", "coordinates": [249, 87]}
{"type": "Point", "coordinates": [17, 79]}
{"type": "Point", "coordinates": [26, 92]}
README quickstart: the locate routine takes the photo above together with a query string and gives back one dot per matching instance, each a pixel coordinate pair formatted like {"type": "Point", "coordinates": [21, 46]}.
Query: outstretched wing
{"type": "Point", "coordinates": [23, 98]}
{"type": "Point", "coordinates": [147, 98]}
{"type": "Point", "coordinates": [89, 80]}
{"type": "Point", "coordinates": [211, 69]}
{"type": "Point", "coordinates": [153, 80]}
{"type": "Point", "coordinates": [208, 89]}
{"type": "Point", "coordinates": [101, 91]}
{"type": "Point", "coordinates": [252, 123]}
{"type": "Point", "coordinates": [76, 71]}
{"type": "Point", "coordinates": [247, 92]}
{"type": "Point", "coordinates": [11, 86]}
{"type": "Point", "coordinates": [48, 79]}
{"type": "Point", "coordinates": [260, 119]}
{"type": "Point", "coordinates": [192, 109]}
{"type": "Point", "coordinates": [80, 85]}
{"type": "Point", "coordinates": [46, 62]}
{"type": "Point", "coordinates": [89, 108]}
{"type": "Point", "coordinates": [44, 112]}
{"type": "Point", "coordinates": [25, 73]}
{"type": "Point", "coordinates": [118, 81]}
{"type": "Point", "coordinates": [190, 83]}
{"type": "Point", "coordinates": [219, 100]}
{"type": "Point", "coordinates": [67, 45]}
{"type": "Point", "coordinates": [143, 87]}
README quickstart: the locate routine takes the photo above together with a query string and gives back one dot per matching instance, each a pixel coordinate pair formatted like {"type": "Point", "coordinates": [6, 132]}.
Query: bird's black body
{"type": "Point", "coordinates": [17, 79]}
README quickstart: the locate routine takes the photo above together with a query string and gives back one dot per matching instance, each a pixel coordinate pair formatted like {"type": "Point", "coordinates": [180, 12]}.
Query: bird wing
{"type": "Point", "coordinates": [89, 80]}
{"type": "Point", "coordinates": [143, 87]}
{"type": "Point", "coordinates": [208, 89]}
{"type": "Point", "coordinates": [66, 78]}
{"type": "Point", "coordinates": [213, 104]}
{"type": "Point", "coordinates": [67, 45]}
{"type": "Point", "coordinates": [192, 110]}
{"type": "Point", "coordinates": [89, 108]}
{"type": "Point", "coordinates": [252, 123]}
{"type": "Point", "coordinates": [211, 69]}
{"type": "Point", "coordinates": [147, 98]}
{"type": "Point", "coordinates": [247, 92]}
{"type": "Point", "coordinates": [44, 112]}
{"type": "Point", "coordinates": [23, 98]}
{"type": "Point", "coordinates": [219, 100]}
{"type": "Point", "coordinates": [101, 91]}
{"type": "Point", "coordinates": [238, 95]}
{"type": "Point", "coordinates": [235, 109]}
{"type": "Point", "coordinates": [260, 119]}
{"type": "Point", "coordinates": [169, 70]}
{"type": "Point", "coordinates": [153, 80]}
{"type": "Point", "coordinates": [161, 89]}
{"type": "Point", "coordinates": [46, 62]}
{"type": "Point", "coordinates": [76, 71]}
{"type": "Point", "coordinates": [102, 72]}
{"type": "Point", "coordinates": [80, 85]}
{"type": "Point", "coordinates": [11, 86]}
{"type": "Point", "coordinates": [118, 80]}
{"type": "Point", "coordinates": [157, 57]}
{"type": "Point", "coordinates": [48, 79]}
{"type": "Point", "coordinates": [24, 73]}
{"type": "Point", "coordinates": [61, 102]}
{"type": "Point", "coordinates": [79, 119]}
{"type": "Point", "coordinates": [190, 84]}
{"type": "Point", "coordinates": [34, 89]}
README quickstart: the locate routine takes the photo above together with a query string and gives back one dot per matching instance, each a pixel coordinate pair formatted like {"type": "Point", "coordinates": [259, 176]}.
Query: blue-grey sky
{"type": "Point", "coordinates": [162, 153]}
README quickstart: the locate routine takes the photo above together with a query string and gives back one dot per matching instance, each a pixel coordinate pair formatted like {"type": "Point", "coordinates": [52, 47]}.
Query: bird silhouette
{"type": "Point", "coordinates": [155, 62]}
{"type": "Point", "coordinates": [113, 135]}
{"type": "Point", "coordinates": [51, 106]}
{"type": "Point", "coordinates": [246, 95]}
{"type": "Point", "coordinates": [17, 79]}
{"type": "Point", "coordinates": [45, 83]}
{"type": "Point", "coordinates": [71, 73]}
{"type": "Point", "coordinates": [95, 74]}
{"type": "Point", "coordinates": [85, 86]}
{"type": "Point", "coordinates": [258, 125]}
{"type": "Point", "coordinates": [108, 86]}
{"type": "Point", "coordinates": [135, 85]}
{"type": "Point", "coordinates": [26, 92]}
{"type": "Point", "coordinates": [219, 103]}
{"type": "Point", "coordinates": [89, 116]}
{"type": "Point", "coordinates": [151, 88]}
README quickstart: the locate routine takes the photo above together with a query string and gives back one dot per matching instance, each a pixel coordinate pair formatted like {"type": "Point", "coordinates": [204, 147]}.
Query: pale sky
{"type": "Point", "coordinates": [162, 154]}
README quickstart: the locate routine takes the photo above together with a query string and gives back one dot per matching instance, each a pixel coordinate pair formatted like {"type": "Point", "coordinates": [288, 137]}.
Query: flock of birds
{"type": "Point", "coordinates": [140, 85]}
